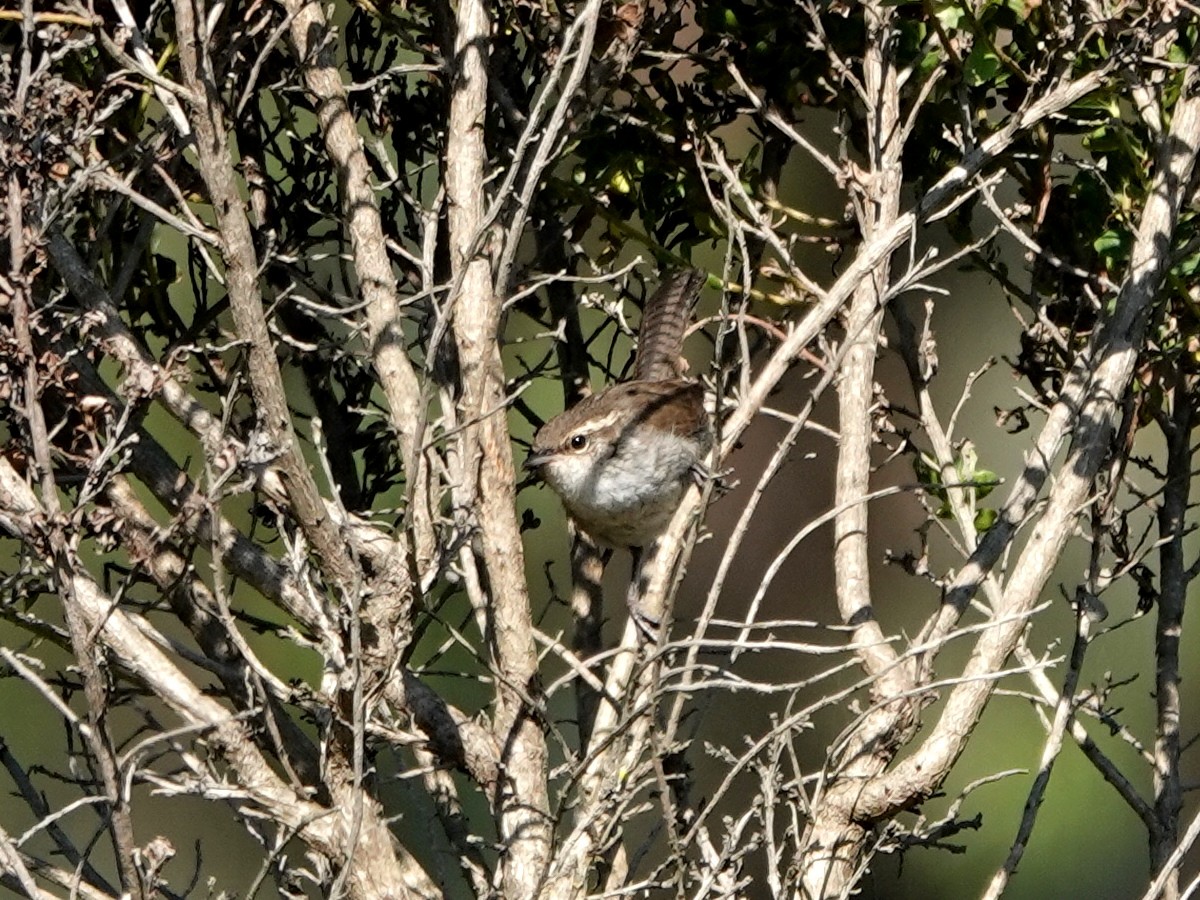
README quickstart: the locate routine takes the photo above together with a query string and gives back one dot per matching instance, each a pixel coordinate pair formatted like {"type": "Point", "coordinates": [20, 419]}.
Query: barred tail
{"type": "Point", "coordinates": [664, 321]}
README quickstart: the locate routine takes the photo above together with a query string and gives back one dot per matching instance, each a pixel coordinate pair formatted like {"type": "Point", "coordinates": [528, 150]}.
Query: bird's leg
{"type": "Point", "coordinates": [650, 626]}
{"type": "Point", "coordinates": [702, 474]}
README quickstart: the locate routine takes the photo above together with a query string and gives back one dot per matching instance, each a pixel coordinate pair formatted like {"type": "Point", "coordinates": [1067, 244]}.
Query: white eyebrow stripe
{"type": "Point", "coordinates": [598, 424]}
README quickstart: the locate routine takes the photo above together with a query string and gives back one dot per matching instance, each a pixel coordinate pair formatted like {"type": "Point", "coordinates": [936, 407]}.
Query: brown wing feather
{"type": "Point", "coordinates": [664, 410]}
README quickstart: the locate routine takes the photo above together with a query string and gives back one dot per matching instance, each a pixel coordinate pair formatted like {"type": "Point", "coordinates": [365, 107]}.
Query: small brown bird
{"type": "Point", "coordinates": [621, 459]}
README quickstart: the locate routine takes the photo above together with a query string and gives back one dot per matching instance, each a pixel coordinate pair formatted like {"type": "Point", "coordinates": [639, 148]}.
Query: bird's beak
{"type": "Point", "coordinates": [537, 460]}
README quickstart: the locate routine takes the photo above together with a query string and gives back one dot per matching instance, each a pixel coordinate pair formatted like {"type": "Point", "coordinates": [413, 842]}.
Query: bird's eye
{"type": "Point", "coordinates": [578, 441]}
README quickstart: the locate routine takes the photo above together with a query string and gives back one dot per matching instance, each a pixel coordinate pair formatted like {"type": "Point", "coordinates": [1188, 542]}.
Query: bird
{"type": "Point", "coordinates": [621, 459]}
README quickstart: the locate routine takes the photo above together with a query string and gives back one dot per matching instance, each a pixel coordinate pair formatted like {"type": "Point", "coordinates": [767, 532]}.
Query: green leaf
{"type": "Point", "coordinates": [982, 65]}
{"type": "Point", "coordinates": [1189, 265]}
{"type": "Point", "coordinates": [1104, 140]}
{"type": "Point", "coordinates": [1109, 241]}
{"type": "Point", "coordinates": [985, 483]}
{"type": "Point", "coordinates": [618, 180]}
{"type": "Point", "coordinates": [950, 15]}
{"type": "Point", "coordinates": [927, 474]}
{"type": "Point", "coordinates": [985, 519]}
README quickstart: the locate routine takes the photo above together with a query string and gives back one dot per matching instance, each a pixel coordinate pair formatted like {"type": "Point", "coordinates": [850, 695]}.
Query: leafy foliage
{"type": "Point", "coordinates": [367, 525]}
